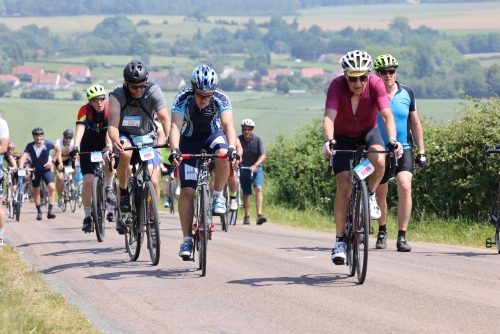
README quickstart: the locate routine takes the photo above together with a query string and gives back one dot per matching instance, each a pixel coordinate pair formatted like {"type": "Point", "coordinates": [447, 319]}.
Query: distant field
{"type": "Point", "coordinates": [272, 113]}
{"type": "Point", "coordinates": [459, 17]}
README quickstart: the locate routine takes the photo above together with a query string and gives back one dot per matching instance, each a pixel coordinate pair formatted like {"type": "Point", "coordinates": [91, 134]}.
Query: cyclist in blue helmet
{"type": "Point", "coordinates": [202, 118]}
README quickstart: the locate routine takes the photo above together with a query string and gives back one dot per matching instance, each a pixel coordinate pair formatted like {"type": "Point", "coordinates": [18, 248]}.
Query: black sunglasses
{"type": "Point", "coordinates": [384, 72]}
{"type": "Point", "coordinates": [362, 78]}
{"type": "Point", "coordinates": [98, 99]}
{"type": "Point", "coordinates": [138, 87]}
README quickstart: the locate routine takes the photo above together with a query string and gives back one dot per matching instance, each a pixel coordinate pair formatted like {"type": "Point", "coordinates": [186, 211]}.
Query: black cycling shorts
{"type": "Point", "coordinates": [342, 161]}
{"type": "Point", "coordinates": [405, 164]}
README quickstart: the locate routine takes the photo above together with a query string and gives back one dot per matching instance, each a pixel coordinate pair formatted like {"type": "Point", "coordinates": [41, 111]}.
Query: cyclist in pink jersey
{"type": "Point", "coordinates": [352, 105]}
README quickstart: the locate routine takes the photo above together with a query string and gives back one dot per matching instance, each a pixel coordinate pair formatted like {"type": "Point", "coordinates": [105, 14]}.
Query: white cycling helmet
{"type": "Point", "coordinates": [357, 61]}
{"type": "Point", "coordinates": [248, 122]}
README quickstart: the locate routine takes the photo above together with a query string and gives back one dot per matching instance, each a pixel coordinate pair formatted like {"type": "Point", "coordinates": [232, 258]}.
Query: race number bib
{"type": "Point", "coordinates": [146, 153]}
{"type": "Point", "coordinates": [68, 169]}
{"type": "Point", "coordinates": [131, 121]}
{"type": "Point", "coordinates": [21, 172]}
{"type": "Point", "coordinates": [364, 169]}
{"type": "Point", "coordinates": [96, 156]}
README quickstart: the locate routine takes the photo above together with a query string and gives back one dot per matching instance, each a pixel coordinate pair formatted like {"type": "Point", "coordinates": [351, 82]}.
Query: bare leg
{"type": "Point", "coordinates": [186, 210]}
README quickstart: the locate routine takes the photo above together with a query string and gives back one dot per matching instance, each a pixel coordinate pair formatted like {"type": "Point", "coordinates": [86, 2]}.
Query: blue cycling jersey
{"type": "Point", "coordinates": [200, 123]}
{"type": "Point", "coordinates": [39, 155]}
{"type": "Point", "coordinates": [402, 105]}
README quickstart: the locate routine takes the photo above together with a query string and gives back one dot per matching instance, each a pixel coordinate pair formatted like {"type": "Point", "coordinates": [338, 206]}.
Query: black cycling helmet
{"type": "Point", "coordinates": [68, 133]}
{"type": "Point", "coordinates": [135, 72]}
{"type": "Point", "coordinates": [37, 131]}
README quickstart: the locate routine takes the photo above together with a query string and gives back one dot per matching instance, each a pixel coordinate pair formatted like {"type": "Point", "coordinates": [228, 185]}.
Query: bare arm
{"type": "Point", "coordinates": [23, 158]}
{"type": "Point", "coordinates": [164, 118]}
{"type": "Point", "coordinates": [328, 130]}
{"type": "Point", "coordinates": [228, 125]}
{"type": "Point", "coordinates": [4, 144]}
{"type": "Point", "coordinates": [416, 130]}
{"type": "Point", "coordinates": [175, 130]}
{"type": "Point", "coordinates": [114, 110]}
{"type": "Point", "coordinates": [80, 130]}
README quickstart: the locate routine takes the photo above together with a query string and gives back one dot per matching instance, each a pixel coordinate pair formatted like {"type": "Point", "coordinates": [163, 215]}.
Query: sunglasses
{"type": "Point", "coordinates": [384, 72]}
{"type": "Point", "coordinates": [363, 78]}
{"type": "Point", "coordinates": [204, 97]}
{"type": "Point", "coordinates": [137, 87]}
{"type": "Point", "coordinates": [98, 99]}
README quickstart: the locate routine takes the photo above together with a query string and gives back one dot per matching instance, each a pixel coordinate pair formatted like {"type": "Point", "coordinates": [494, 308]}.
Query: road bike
{"type": "Point", "coordinates": [20, 191]}
{"type": "Point", "coordinates": [68, 189]}
{"type": "Point", "coordinates": [495, 209]}
{"type": "Point", "coordinates": [358, 221]}
{"type": "Point", "coordinates": [232, 215]}
{"type": "Point", "coordinates": [99, 204]}
{"type": "Point", "coordinates": [8, 172]}
{"type": "Point", "coordinates": [203, 227]}
{"type": "Point", "coordinates": [143, 217]}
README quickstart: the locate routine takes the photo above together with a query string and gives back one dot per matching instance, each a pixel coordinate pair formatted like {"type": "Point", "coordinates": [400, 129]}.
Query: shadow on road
{"type": "Point", "coordinates": [63, 242]}
{"type": "Point", "coordinates": [324, 280]}
{"type": "Point", "coordinates": [466, 254]}
{"type": "Point", "coordinates": [308, 249]}
{"type": "Point", "coordinates": [87, 250]}
{"type": "Point", "coordinates": [159, 273]}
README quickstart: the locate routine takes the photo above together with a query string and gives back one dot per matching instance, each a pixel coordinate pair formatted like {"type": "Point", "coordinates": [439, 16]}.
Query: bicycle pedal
{"type": "Point", "coordinates": [490, 243]}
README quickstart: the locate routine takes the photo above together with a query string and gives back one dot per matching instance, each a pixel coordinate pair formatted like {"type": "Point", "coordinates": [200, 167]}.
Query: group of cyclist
{"type": "Point", "coordinates": [361, 109]}
{"type": "Point", "coordinates": [378, 112]}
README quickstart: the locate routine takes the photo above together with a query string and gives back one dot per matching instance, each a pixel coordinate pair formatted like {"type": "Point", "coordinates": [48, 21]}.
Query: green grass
{"type": "Point", "coordinates": [28, 305]}
{"type": "Point", "coordinates": [273, 113]}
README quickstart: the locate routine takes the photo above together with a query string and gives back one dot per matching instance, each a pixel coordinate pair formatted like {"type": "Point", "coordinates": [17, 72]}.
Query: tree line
{"type": "Point", "coordinates": [177, 7]}
{"type": "Point", "coordinates": [430, 61]}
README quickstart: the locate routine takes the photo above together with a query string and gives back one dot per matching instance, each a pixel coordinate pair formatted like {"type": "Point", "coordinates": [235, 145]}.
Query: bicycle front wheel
{"type": "Point", "coordinates": [171, 195]}
{"type": "Point", "coordinates": [362, 229]}
{"type": "Point", "coordinates": [150, 218]}
{"type": "Point", "coordinates": [98, 208]}
{"type": "Point", "coordinates": [204, 221]}
{"type": "Point", "coordinates": [19, 202]}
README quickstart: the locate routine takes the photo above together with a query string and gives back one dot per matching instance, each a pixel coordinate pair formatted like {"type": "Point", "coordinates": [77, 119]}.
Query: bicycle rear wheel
{"type": "Point", "coordinates": [150, 218]}
{"type": "Point", "coordinates": [362, 229]}
{"type": "Point", "coordinates": [204, 221]}
{"type": "Point", "coordinates": [171, 195]}
{"type": "Point", "coordinates": [98, 208]}
{"type": "Point", "coordinates": [72, 197]}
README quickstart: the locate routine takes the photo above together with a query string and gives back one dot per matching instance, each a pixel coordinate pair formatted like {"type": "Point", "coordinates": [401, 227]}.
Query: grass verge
{"type": "Point", "coordinates": [28, 305]}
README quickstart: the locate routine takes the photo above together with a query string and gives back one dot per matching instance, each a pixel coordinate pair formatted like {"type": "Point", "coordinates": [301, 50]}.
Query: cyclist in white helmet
{"type": "Point", "coordinates": [352, 104]}
{"type": "Point", "coordinates": [254, 155]}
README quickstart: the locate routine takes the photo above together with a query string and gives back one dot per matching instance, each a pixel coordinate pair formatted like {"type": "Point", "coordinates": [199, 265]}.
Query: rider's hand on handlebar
{"type": "Point", "coordinates": [73, 153]}
{"type": "Point", "coordinates": [118, 146]}
{"type": "Point", "coordinates": [327, 152]}
{"type": "Point", "coordinates": [396, 147]}
{"type": "Point", "coordinates": [175, 157]}
{"type": "Point", "coordinates": [233, 156]}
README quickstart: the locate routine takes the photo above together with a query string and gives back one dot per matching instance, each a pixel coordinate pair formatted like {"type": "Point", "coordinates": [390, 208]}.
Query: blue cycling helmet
{"type": "Point", "coordinates": [204, 79]}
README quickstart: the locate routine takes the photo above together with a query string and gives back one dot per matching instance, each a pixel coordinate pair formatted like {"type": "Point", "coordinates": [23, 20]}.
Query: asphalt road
{"type": "Point", "coordinates": [261, 279]}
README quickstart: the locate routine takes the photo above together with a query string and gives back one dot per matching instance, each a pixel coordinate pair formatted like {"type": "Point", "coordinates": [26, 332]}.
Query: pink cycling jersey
{"type": "Point", "coordinates": [373, 99]}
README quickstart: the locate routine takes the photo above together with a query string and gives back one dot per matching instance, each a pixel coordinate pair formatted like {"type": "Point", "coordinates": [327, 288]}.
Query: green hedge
{"type": "Point", "coordinates": [454, 183]}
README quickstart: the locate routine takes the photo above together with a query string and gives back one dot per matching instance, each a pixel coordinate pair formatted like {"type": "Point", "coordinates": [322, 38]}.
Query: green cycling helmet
{"type": "Point", "coordinates": [95, 90]}
{"type": "Point", "coordinates": [385, 61]}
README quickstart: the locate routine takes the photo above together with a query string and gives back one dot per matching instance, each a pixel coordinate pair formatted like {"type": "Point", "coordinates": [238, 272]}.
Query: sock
{"type": "Point", "coordinates": [87, 210]}
{"type": "Point", "coordinates": [402, 234]}
{"type": "Point", "coordinates": [1, 232]}
{"type": "Point", "coordinates": [233, 194]}
{"type": "Point", "coordinates": [50, 208]}
{"type": "Point", "coordinates": [124, 191]}
{"type": "Point", "coordinates": [339, 239]}
{"type": "Point", "coordinates": [110, 208]}
{"type": "Point", "coordinates": [382, 228]}
{"type": "Point", "coordinates": [190, 239]}
{"type": "Point", "coordinates": [370, 193]}
{"type": "Point", "coordinates": [39, 208]}
{"type": "Point", "coordinates": [109, 182]}
{"type": "Point", "coordinates": [217, 193]}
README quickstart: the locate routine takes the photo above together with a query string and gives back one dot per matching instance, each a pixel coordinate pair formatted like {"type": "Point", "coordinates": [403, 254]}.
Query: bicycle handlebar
{"type": "Point", "coordinates": [359, 151]}
{"type": "Point", "coordinates": [203, 156]}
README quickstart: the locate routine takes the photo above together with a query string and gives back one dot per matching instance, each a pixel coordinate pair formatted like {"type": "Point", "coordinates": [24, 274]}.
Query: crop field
{"type": "Point", "coordinates": [459, 17]}
{"type": "Point", "coordinates": [272, 113]}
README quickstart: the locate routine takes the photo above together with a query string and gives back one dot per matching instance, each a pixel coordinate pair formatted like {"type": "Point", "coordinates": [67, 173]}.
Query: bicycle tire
{"type": "Point", "coordinates": [29, 190]}
{"type": "Point", "coordinates": [72, 197]}
{"type": "Point", "coordinates": [362, 228]}
{"type": "Point", "coordinates": [204, 207]}
{"type": "Point", "coordinates": [225, 217]}
{"type": "Point", "coordinates": [150, 206]}
{"type": "Point", "coordinates": [98, 208]}
{"type": "Point", "coordinates": [350, 245]}
{"type": "Point", "coordinates": [10, 204]}
{"type": "Point", "coordinates": [133, 236]}
{"type": "Point", "coordinates": [43, 190]}
{"type": "Point", "coordinates": [116, 206]}
{"type": "Point", "coordinates": [171, 195]}
{"type": "Point", "coordinates": [19, 202]}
